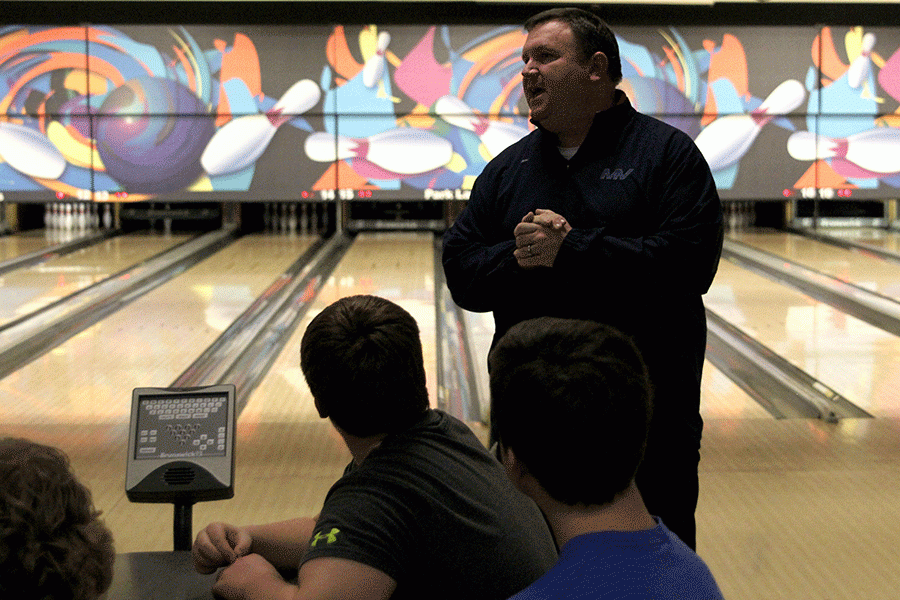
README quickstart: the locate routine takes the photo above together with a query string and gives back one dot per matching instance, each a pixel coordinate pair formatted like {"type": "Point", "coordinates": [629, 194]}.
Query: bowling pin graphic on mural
{"type": "Point", "coordinates": [374, 68]}
{"type": "Point", "coordinates": [404, 151]}
{"type": "Point", "coordinates": [30, 152]}
{"type": "Point", "coordinates": [876, 150]}
{"type": "Point", "coordinates": [240, 142]}
{"type": "Point", "coordinates": [495, 135]}
{"type": "Point", "coordinates": [862, 65]}
{"type": "Point", "coordinates": [727, 139]}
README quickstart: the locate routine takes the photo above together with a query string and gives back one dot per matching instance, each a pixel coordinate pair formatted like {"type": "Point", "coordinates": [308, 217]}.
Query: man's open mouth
{"type": "Point", "coordinates": [533, 92]}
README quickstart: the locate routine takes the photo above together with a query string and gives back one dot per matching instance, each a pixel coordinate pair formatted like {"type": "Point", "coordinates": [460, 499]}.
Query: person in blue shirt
{"type": "Point", "coordinates": [571, 402]}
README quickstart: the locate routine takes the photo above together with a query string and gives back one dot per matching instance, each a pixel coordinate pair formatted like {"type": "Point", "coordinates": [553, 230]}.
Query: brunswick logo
{"type": "Point", "coordinates": [330, 537]}
{"type": "Point", "coordinates": [615, 174]}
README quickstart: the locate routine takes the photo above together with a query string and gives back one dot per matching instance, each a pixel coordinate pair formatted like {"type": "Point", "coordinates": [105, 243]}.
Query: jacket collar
{"type": "Point", "coordinates": [603, 136]}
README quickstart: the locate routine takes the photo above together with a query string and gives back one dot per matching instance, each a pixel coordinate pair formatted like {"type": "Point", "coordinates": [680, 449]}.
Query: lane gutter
{"type": "Point", "coordinates": [33, 335]}
{"type": "Point", "coordinates": [457, 388]}
{"type": "Point", "coordinates": [245, 352]}
{"type": "Point", "coordinates": [781, 388]}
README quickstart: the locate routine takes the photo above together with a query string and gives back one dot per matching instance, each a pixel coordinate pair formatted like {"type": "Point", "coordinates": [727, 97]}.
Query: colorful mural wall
{"type": "Point", "coordinates": [264, 113]}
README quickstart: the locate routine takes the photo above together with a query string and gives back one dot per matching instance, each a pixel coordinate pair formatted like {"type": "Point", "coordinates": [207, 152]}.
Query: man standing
{"type": "Point", "coordinates": [605, 214]}
{"type": "Point", "coordinates": [423, 511]}
{"type": "Point", "coordinates": [570, 404]}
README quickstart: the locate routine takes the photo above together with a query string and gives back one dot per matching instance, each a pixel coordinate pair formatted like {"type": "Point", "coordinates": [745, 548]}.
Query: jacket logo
{"type": "Point", "coordinates": [330, 537]}
{"type": "Point", "coordinates": [617, 174]}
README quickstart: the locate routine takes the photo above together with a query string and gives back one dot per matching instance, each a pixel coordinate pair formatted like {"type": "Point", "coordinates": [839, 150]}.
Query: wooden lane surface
{"type": "Point", "coordinates": [288, 457]}
{"type": "Point", "coordinates": [78, 396]}
{"type": "Point", "coordinates": [857, 360]}
{"type": "Point", "coordinates": [26, 290]}
{"type": "Point", "coordinates": [720, 397]}
{"type": "Point", "coordinates": [882, 239]}
{"type": "Point", "coordinates": [20, 244]}
{"type": "Point", "coordinates": [865, 270]}
{"type": "Point", "coordinates": [799, 508]}
{"type": "Point", "coordinates": [800, 504]}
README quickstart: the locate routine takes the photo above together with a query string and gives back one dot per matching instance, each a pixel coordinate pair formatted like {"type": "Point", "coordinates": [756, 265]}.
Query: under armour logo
{"type": "Point", "coordinates": [330, 537]}
{"type": "Point", "coordinates": [616, 174]}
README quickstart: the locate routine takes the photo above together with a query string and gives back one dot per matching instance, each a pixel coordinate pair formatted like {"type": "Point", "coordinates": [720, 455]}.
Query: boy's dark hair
{"type": "Point", "coordinates": [362, 358]}
{"type": "Point", "coordinates": [591, 33]}
{"type": "Point", "coordinates": [572, 399]}
{"type": "Point", "coordinates": [52, 543]}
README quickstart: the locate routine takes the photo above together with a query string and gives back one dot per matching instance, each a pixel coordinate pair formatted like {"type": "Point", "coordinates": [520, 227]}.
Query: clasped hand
{"type": "Point", "coordinates": [219, 545]}
{"type": "Point", "coordinates": [538, 238]}
{"type": "Point", "coordinates": [223, 545]}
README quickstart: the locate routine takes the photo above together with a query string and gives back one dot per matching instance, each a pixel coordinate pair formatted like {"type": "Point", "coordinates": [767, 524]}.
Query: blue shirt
{"type": "Point", "coordinates": [626, 565]}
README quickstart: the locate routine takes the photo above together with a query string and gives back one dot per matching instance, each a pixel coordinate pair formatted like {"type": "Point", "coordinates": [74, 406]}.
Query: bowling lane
{"type": "Point", "coordinates": [27, 290]}
{"type": "Point", "coordinates": [78, 396]}
{"type": "Point", "coordinates": [720, 397]}
{"type": "Point", "coordinates": [857, 360]}
{"type": "Point", "coordinates": [878, 238]}
{"type": "Point", "coordinates": [283, 445]}
{"type": "Point", "coordinates": [14, 246]}
{"type": "Point", "coordinates": [396, 266]}
{"type": "Point", "coordinates": [858, 268]}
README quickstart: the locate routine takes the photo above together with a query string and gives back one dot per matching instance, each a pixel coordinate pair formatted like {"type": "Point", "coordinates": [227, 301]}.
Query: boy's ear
{"type": "Point", "coordinates": [515, 469]}
{"type": "Point", "coordinates": [322, 412]}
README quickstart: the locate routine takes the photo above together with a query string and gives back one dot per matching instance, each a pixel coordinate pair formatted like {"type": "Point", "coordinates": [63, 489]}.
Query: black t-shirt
{"type": "Point", "coordinates": [431, 508]}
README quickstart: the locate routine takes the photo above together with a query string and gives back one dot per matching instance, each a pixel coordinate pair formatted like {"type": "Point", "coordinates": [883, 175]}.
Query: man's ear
{"type": "Point", "coordinates": [599, 65]}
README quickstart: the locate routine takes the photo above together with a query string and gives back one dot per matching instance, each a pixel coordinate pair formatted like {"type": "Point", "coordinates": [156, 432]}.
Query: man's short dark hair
{"type": "Point", "coordinates": [591, 33]}
{"type": "Point", "coordinates": [52, 542]}
{"type": "Point", "coordinates": [362, 358]}
{"type": "Point", "coordinates": [572, 399]}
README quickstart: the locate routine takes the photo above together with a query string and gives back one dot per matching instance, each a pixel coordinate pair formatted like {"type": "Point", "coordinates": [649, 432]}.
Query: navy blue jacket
{"type": "Point", "coordinates": [645, 244]}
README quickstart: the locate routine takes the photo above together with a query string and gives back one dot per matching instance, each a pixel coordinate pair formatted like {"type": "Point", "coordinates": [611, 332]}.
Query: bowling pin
{"type": "Point", "coordinates": [876, 150]}
{"type": "Point", "coordinates": [304, 219]}
{"type": "Point", "coordinates": [404, 151]}
{"type": "Point", "coordinates": [107, 216]}
{"type": "Point", "coordinates": [374, 68]}
{"type": "Point", "coordinates": [30, 152]}
{"type": "Point", "coordinates": [862, 65]}
{"type": "Point", "coordinates": [495, 135]}
{"type": "Point", "coordinates": [240, 142]}
{"type": "Point", "coordinates": [68, 220]}
{"type": "Point", "coordinates": [727, 139]}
